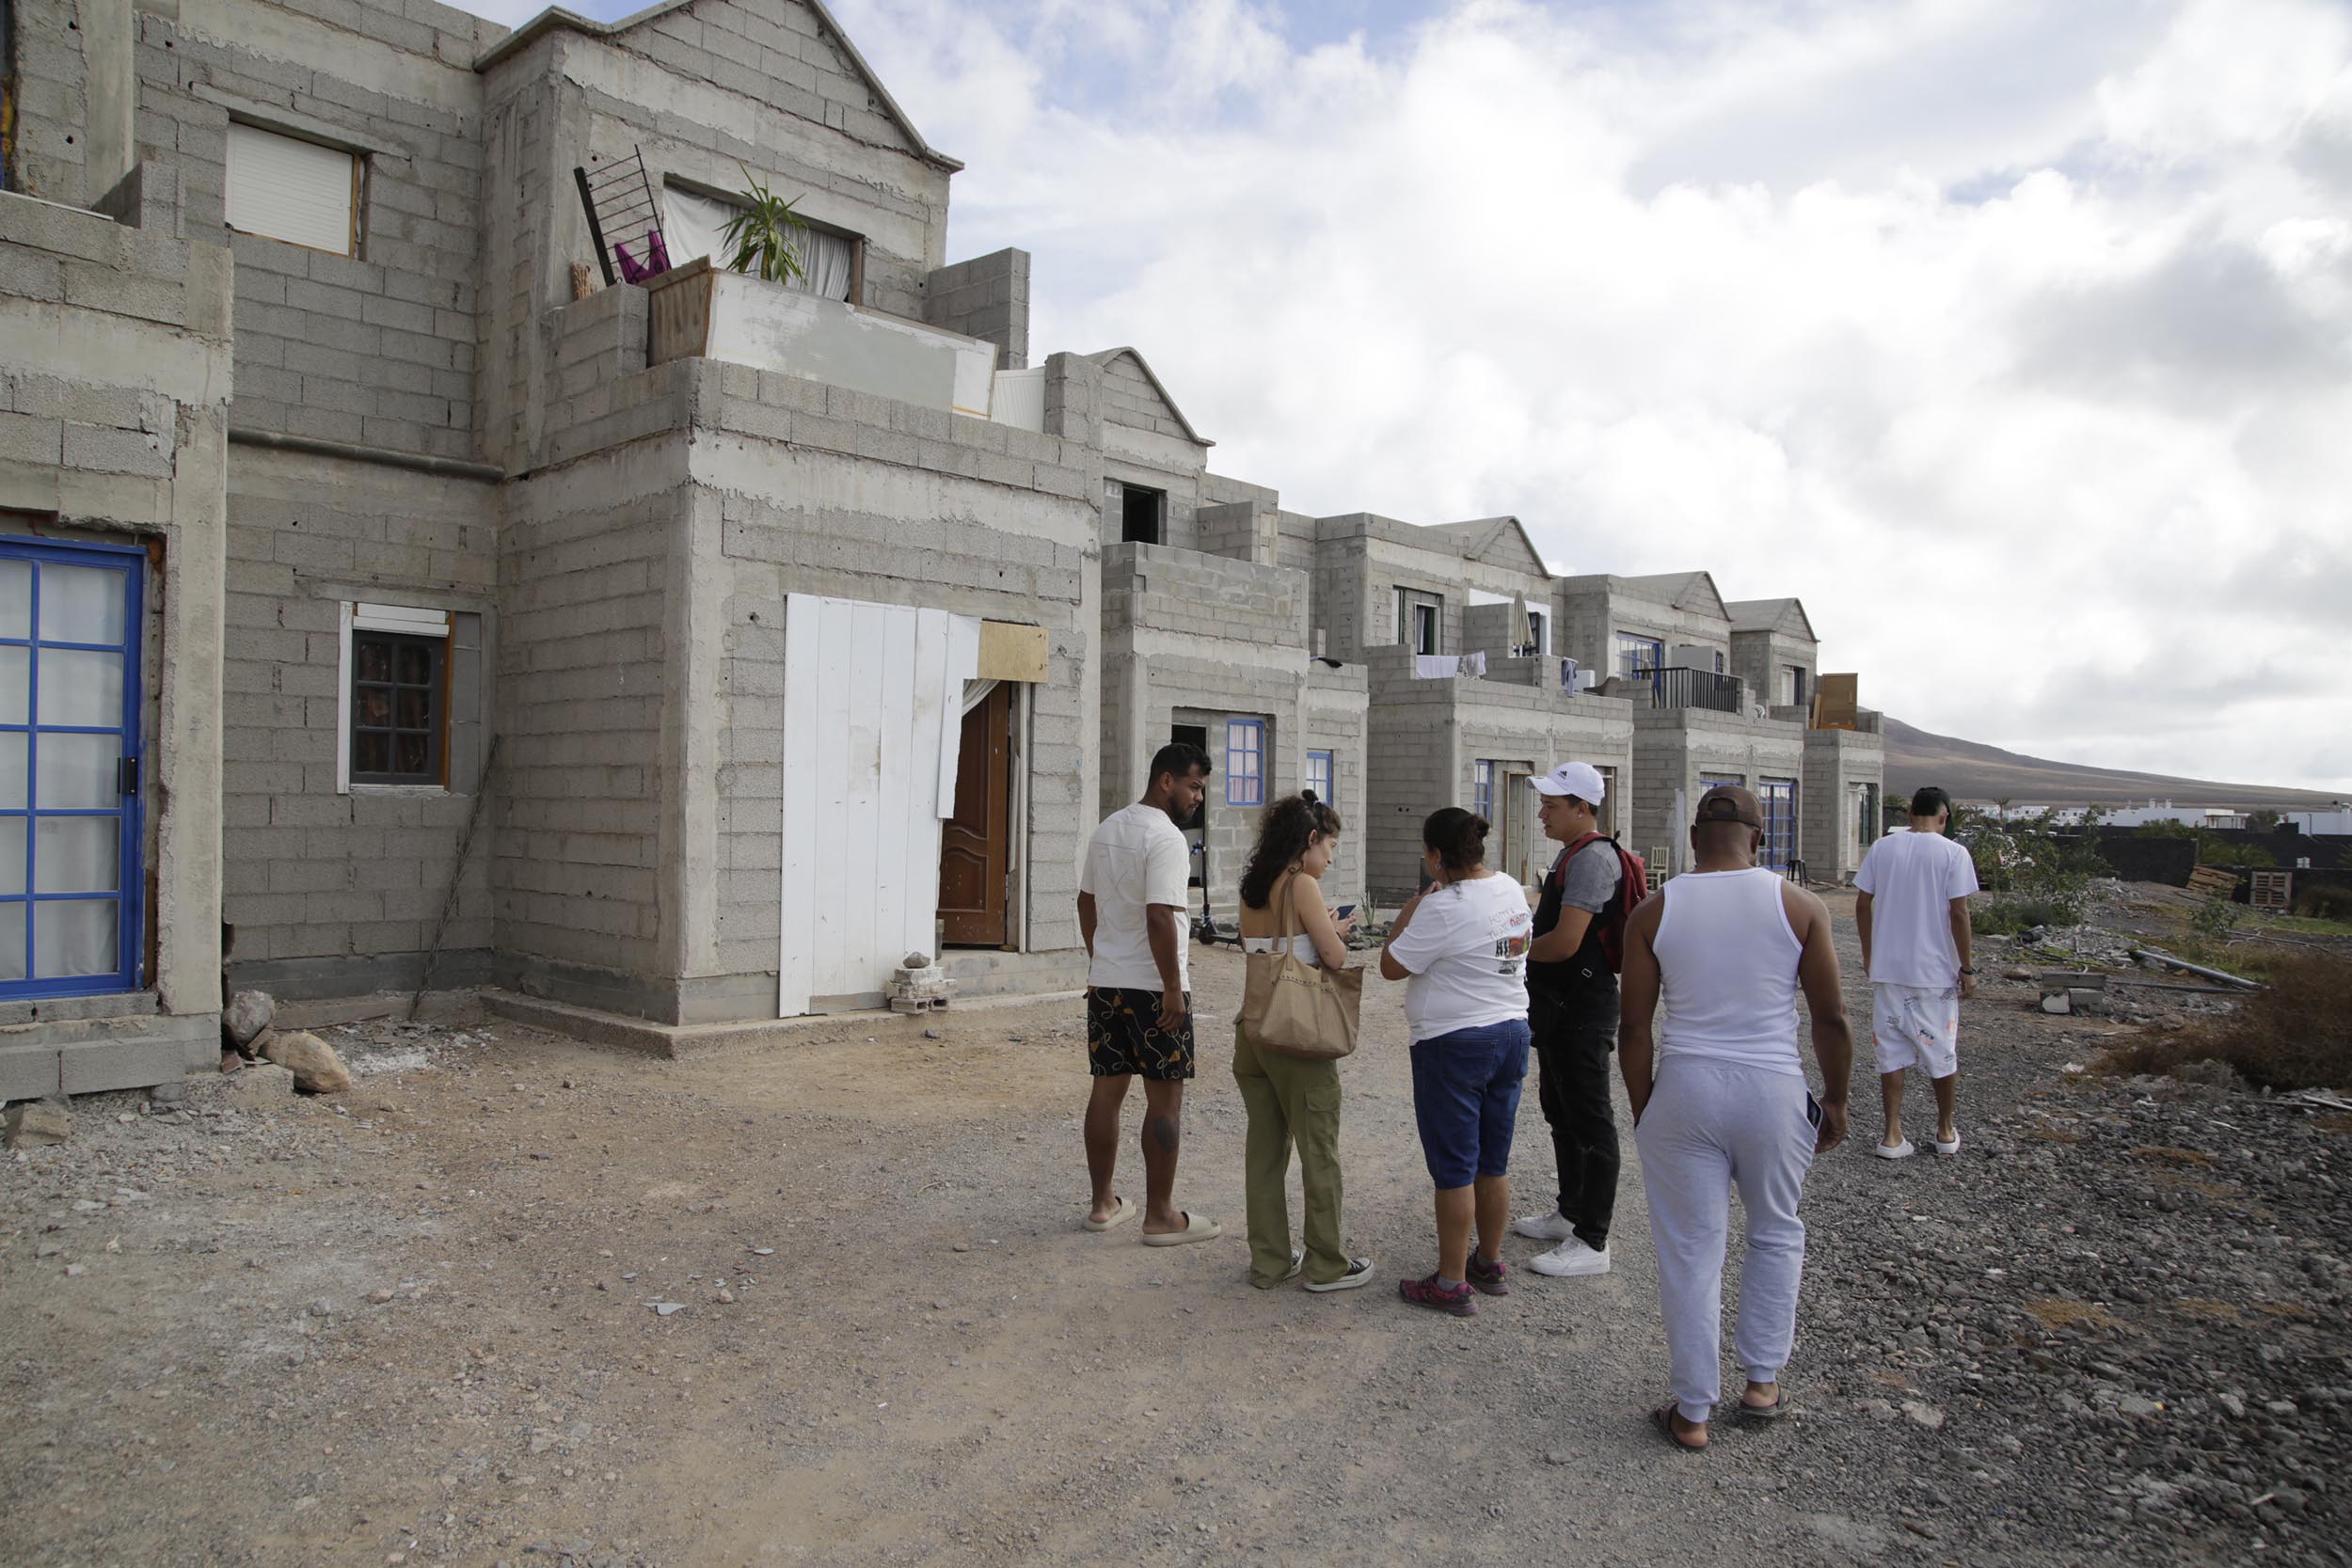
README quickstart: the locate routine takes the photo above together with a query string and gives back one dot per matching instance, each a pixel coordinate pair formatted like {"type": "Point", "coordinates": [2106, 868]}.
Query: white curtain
{"type": "Point", "coordinates": [697, 225]}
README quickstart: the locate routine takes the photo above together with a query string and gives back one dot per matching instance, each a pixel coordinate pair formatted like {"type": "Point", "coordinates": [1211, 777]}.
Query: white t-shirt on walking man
{"type": "Point", "coordinates": [1911, 879]}
{"type": "Point", "coordinates": [1137, 858]}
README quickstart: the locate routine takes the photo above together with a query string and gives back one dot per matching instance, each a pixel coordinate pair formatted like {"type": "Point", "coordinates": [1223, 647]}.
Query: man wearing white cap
{"type": "Point", "coordinates": [1572, 1013]}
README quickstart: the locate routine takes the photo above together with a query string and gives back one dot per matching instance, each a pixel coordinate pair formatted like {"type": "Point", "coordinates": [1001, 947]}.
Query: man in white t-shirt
{"type": "Point", "coordinates": [1912, 908]}
{"type": "Point", "coordinates": [1131, 912]}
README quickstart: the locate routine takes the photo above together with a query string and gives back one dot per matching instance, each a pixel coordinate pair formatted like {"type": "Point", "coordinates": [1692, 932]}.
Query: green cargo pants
{"type": "Point", "coordinates": [1290, 1101]}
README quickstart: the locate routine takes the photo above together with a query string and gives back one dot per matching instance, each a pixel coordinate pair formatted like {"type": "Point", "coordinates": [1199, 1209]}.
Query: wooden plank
{"type": "Point", "coordinates": [859, 822]}
{"type": "Point", "coordinates": [2214, 881]}
{"type": "Point", "coordinates": [796, 947]}
{"type": "Point", "coordinates": [897, 846]}
{"type": "Point", "coordinates": [937, 719]}
{"type": "Point", "coordinates": [1836, 702]}
{"type": "Point", "coordinates": [1011, 653]}
{"type": "Point", "coordinates": [834, 661]}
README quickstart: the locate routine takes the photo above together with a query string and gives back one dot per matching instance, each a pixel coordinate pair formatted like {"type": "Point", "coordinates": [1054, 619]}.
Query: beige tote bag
{"type": "Point", "coordinates": [1295, 1009]}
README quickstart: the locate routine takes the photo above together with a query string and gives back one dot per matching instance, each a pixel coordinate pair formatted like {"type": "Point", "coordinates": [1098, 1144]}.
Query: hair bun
{"type": "Point", "coordinates": [1308, 796]}
{"type": "Point", "coordinates": [1480, 826]}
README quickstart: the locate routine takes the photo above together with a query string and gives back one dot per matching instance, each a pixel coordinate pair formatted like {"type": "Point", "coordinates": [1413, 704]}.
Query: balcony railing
{"type": "Point", "coordinates": [1671, 687]}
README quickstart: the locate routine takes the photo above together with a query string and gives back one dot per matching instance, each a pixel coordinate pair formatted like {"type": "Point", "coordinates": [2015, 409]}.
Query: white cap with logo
{"type": "Point", "coordinates": [1580, 779]}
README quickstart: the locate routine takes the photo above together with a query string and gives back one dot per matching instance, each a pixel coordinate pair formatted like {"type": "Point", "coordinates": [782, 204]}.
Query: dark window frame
{"type": "Point", "coordinates": [1131, 516]}
{"type": "Point", "coordinates": [435, 772]}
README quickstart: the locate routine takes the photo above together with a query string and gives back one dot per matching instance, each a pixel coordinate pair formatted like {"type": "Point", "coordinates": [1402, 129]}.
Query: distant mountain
{"type": "Point", "coordinates": [1977, 772]}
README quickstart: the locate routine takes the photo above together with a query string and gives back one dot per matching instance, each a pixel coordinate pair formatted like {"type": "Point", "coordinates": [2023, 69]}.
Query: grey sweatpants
{"type": "Point", "coordinates": [1709, 1127]}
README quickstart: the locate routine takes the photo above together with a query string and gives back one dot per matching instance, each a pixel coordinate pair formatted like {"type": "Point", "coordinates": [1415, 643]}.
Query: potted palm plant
{"type": "Point", "coordinates": [765, 232]}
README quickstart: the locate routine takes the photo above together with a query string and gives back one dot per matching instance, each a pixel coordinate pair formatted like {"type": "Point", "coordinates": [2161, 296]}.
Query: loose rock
{"type": "Point", "coordinates": [36, 1124]}
{"type": "Point", "coordinates": [247, 1018]}
{"type": "Point", "coordinates": [315, 1066]}
{"type": "Point", "coordinates": [261, 1087]}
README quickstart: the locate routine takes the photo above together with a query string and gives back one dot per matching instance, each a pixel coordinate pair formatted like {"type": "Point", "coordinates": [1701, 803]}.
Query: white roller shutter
{"type": "Point", "coordinates": [288, 189]}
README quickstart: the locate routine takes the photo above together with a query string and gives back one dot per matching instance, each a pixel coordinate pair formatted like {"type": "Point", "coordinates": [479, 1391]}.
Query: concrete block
{"type": "Point", "coordinates": [29, 1070]}
{"type": "Point", "coordinates": [157, 1056]}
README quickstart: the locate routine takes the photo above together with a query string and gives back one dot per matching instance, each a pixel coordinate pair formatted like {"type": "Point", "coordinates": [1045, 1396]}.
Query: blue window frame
{"type": "Point", "coordinates": [1778, 797]}
{"type": "Point", "coordinates": [1245, 762]}
{"type": "Point", "coordinates": [1320, 775]}
{"type": "Point", "coordinates": [1639, 656]}
{"type": "Point", "coordinates": [70, 873]}
{"type": "Point", "coordinates": [1483, 788]}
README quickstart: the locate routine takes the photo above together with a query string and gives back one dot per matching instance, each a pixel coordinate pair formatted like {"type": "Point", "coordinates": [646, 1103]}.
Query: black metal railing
{"type": "Point", "coordinates": [1676, 687]}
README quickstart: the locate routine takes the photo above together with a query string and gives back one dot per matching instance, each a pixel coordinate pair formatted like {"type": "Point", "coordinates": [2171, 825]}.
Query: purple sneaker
{"type": "Point", "coordinates": [1490, 1279]}
{"type": "Point", "coordinates": [1428, 1292]}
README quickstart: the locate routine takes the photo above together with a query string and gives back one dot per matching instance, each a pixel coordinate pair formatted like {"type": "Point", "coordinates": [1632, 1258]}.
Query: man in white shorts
{"type": "Point", "coordinates": [1913, 911]}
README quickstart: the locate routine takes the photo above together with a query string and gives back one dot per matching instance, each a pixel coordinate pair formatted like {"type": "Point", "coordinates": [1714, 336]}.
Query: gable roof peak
{"type": "Point", "coordinates": [558, 17]}
{"type": "Point", "coordinates": [1104, 357]}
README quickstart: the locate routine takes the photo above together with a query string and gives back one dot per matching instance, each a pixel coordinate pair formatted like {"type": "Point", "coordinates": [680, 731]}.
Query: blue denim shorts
{"type": "Point", "coordinates": [1466, 1099]}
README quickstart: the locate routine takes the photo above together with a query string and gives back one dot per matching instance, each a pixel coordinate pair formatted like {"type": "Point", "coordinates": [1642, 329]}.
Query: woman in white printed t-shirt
{"type": "Point", "coordinates": [1461, 945]}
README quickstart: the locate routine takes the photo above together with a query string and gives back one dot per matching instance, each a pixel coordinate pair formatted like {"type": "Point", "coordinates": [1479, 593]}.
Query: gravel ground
{"type": "Point", "coordinates": [422, 1322]}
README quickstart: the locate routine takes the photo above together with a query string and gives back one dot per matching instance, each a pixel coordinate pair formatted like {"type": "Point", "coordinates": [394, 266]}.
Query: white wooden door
{"type": "Point", "coordinates": [872, 712]}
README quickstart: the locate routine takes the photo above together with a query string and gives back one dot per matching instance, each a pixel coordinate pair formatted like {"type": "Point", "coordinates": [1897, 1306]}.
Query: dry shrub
{"type": "Point", "coordinates": [2325, 902]}
{"type": "Point", "coordinates": [2298, 1035]}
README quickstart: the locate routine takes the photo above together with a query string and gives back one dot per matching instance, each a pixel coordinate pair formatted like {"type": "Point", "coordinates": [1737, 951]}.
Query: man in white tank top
{"type": "Point", "coordinates": [1726, 947]}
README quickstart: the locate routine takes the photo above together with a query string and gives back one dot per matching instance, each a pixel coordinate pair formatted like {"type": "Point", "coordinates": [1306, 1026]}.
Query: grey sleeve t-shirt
{"type": "Point", "coordinates": [1592, 878]}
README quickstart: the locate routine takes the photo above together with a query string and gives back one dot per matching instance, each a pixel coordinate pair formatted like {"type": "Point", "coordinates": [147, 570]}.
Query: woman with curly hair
{"type": "Point", "coordinates": [1292, 1101]}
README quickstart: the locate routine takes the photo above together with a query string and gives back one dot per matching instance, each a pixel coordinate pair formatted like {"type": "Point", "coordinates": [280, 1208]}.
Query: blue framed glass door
{"type": "Point", "coordinates": [71, 875]}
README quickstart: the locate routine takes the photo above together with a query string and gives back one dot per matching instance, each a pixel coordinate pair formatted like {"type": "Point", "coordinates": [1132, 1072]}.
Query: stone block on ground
{"type": "Point", "coordinates": [248, 1017]}
{"type": "Point", "coordinates": [35, 1123]}
{"type": "Point", "coordinates": [263, 1086]}
{"type": "Point", "coordinates": [315, 1066]}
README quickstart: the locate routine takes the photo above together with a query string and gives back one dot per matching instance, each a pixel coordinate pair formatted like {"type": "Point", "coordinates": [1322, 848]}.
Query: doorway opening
{"type": "Point", "coordinates": [976, 847]}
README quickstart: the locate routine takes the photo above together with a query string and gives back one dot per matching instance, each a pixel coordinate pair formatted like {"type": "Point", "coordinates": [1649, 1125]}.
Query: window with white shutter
{"type": "Point", "coordinates": [285, 188]}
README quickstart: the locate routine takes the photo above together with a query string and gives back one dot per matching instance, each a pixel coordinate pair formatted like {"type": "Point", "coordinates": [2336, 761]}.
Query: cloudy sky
{"type": "Point", "coordinates": [2011, 337]}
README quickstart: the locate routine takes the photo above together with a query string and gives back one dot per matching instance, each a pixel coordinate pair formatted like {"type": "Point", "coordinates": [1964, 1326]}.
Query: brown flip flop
{"type": "Point", "coordinates": [1664, 1419]}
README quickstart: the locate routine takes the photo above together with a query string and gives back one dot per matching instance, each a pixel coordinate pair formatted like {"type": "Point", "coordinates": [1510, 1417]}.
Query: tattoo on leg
{"type": "Point", "coordinates": [1163, 1131]}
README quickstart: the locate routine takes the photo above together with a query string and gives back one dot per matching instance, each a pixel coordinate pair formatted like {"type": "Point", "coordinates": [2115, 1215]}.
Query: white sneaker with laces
{"type": "Point", "coordinates": [1549, 1226]}
{"type": "Point", "coordinates": [1570, 1259]}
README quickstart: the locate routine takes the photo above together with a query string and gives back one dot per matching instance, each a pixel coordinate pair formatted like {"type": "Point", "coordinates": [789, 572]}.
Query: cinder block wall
{"type": "Point", "coordinates": [1757, 657]}
{"type": "Point", "coordinates": [336, 892]}
{"type": "Point", "coordinates": [1430, 733]}
{"type": "Point", "coordinates": [378, 347]}
{"type": "Point", "coordinates": [113, 429]}
{"type": "Point", "coordinates": [1835, 834]}
{"type": "Point", "coordinates": [1195, 638]}
{"type": "Point", "coordinates": [987, 296]}
{"type": "Point", "coordinates": [1675, 748]}
{"type": "Point", "coordinates": [701, 94]}
{"type": "Point", "coordinates": [1335, 715]}
{"type": "Point", "coordinates": [805, 488]}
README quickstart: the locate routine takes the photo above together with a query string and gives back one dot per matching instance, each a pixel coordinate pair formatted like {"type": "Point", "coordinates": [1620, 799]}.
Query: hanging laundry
{"type": "Point", "coordinates": [1474, 664]}
{"type": "Point", "coordinates": [1568, 674]}
{"type": "Point", "coordinates": [1437, 667]}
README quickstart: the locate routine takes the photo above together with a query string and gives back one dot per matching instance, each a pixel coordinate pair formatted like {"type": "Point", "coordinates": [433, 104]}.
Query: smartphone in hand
{"type": "Point", "coordinates": [1342, 912]}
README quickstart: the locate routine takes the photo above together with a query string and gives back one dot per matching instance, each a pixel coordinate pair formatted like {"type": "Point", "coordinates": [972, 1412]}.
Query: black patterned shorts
{"type": "Point", "coordinates": [1124, 1035]}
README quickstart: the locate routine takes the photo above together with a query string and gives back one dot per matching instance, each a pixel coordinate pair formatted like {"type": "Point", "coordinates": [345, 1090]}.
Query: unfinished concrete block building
{"type": "Point", "coordinates": [420, 560]}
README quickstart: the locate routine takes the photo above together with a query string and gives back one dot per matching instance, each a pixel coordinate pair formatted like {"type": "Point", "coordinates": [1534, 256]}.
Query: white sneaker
{"type": "Point", "coordinates": [1570, 1259]}
{"type": "Point", "coordinates": [1549, 1226]}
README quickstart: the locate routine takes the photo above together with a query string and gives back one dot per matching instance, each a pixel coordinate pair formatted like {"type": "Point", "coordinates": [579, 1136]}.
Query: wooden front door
{"type": "Point", "coordinates": [976, 843]}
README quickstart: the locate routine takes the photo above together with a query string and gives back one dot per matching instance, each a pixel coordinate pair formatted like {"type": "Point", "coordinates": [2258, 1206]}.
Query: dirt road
{"type": "Point", "coordinates": [422, 1325]}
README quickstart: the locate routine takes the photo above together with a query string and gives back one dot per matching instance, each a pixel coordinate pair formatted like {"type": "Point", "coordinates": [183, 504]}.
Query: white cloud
{"type": "Point", "coordinates": [2014, 337]}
